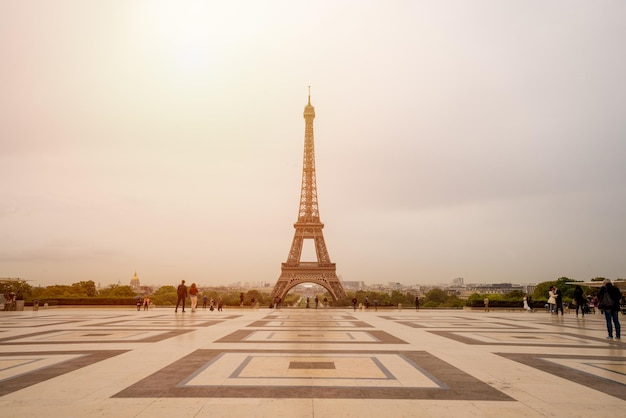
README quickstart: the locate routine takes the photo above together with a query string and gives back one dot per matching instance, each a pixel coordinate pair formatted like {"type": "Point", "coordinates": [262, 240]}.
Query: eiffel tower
{"type": "Point", "coordinates": [308, 226]}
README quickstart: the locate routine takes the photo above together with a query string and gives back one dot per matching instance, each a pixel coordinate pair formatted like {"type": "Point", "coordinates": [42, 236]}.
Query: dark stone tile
{"type": "Point", "coordinates": [538, 361]}
{"type": "Point", "coordinates": [39, 375]}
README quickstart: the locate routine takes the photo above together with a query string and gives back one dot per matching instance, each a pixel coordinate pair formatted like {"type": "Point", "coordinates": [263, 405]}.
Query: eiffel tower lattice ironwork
{"type": "Point", "coordinates": [308, 226]}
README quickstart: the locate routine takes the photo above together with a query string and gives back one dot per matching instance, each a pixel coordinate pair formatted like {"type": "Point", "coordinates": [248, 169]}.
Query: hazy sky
{"type": "Point", "coordinates": [475, 139]}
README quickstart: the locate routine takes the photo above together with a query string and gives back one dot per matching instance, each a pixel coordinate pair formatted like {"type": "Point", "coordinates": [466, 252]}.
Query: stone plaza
{"type": "Point", "coordinates": [118, 362]}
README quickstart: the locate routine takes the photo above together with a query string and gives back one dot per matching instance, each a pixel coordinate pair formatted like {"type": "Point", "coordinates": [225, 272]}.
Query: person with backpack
{"type": "Point", "coordinates": [608, 301]}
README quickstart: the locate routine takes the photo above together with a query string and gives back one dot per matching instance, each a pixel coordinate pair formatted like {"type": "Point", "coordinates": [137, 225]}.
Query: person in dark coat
{"type": "Point", "coordinates": [181, 291]}
{"type": "Point", "coordinates": [580, 300]}
{"type": "Point", "coordinates": [558, 296]}
{"type": "Point", "coordinates": [611, 310]}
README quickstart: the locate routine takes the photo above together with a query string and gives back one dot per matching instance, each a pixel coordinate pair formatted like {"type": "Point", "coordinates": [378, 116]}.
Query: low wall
{"type": "Point", "coordinates": [501, 309]}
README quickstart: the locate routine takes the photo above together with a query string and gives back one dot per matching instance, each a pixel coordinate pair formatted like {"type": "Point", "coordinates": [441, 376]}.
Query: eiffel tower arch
{"type": "Point", "coordinates": [308, 226]}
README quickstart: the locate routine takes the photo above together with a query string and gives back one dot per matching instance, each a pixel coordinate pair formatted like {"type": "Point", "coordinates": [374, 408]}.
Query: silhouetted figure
{"type": "Point", "coordinates": [181, 292]}
{"type": "Point", "coordinates": [608, 301]}
{"type": "Point", "coordinates": [579, 299]}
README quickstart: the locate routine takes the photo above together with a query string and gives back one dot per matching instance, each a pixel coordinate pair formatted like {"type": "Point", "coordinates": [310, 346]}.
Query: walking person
{"type": "Point", "coordinates": [181, 292]}
{"type": "Point", "coordinates": [551, 299]}
{"type": "Point", "coordinates": [608, 301]}
{"type": "Point", "coordinates": [417, 303]}
{"type": "Point", "coordinates": [354, 302]}
{"type": "Point", "coordinates": [594, 303]}
{"type": "Point", "coordinates": [193, 295]}
{"type": "Point", "coordinates": [486, 302]}
{"type": "Point", "coordinates": [205, 299]}
{"type": "Point", "coordinates": [146, 303]}
{"type": "Point", "coordinates": [579, 299]}
{"type": "Point", "coordinates": [558, 296]}
{"type": "Point", "coordinates": [526, 304]}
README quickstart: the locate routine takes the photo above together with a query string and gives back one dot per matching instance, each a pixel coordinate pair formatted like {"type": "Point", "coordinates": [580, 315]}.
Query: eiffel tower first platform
{"type": "Point", "coordinates": [308, 226]}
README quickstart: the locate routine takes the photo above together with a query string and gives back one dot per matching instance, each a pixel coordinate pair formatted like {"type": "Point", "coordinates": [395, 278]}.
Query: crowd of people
{"type": "Point", "coordinates": [608, 301]}
{"type": "Point", "coordinates": [182, 292]}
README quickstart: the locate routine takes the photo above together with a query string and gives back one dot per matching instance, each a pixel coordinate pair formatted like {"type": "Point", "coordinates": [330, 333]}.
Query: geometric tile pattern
{"type": "Point", "coordinates": [536, 339]}
{"type": "Point", "coordinates": [18, 371]}
{"type": "Point", "coordinates": [353, 374]}
{"type": "Point", "coordinates": [603, 373]}
{"type": "Point", "coordinates": [96, 335]}
{"type": "Point", "coordinates": [309, 336]}
{"type": "Point", "coordinates": [299, 362]}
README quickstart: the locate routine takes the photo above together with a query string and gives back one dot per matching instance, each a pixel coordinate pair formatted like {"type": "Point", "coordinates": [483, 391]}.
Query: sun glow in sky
{"type": "Point", "coordinates": [483, 139]}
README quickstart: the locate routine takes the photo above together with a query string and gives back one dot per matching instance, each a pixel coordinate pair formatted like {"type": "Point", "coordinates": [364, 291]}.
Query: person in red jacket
{"type": "Point", "coordinates": [193, 296]}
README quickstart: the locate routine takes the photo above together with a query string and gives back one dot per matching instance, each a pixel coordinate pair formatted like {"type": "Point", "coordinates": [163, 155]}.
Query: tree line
{"type": "Point", "coordinates": [87, 293]}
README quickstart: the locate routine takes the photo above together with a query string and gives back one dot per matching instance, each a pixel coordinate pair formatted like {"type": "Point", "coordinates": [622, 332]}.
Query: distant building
{"type": "Point", "coordinates": [530, 289]}
{"type": "Point", "coordinates": [395, 286]}
{"type": "Point", "coordinates": [353, 285]}
{"type": "Point", "coordinates": [134, 283]}
{"type": "Point", "coordinates": [493, 288]}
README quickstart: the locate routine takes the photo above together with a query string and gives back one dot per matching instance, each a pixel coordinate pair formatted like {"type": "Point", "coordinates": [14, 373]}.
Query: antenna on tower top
{"type": "Point", "coordinates": [309, 94]}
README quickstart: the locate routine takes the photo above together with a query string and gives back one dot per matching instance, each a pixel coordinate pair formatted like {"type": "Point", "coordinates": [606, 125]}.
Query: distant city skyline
{"type": "Point", "coordinates": [482, 139]}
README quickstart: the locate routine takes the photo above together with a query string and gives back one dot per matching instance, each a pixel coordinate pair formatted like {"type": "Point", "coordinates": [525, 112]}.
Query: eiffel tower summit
{"type": "Point", "coordinates": [308, 226]}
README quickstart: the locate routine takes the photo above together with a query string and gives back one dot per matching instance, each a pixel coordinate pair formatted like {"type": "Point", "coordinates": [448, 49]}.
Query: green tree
{"type": "Point", "coordinates": [85, 288]}
{"type": "Point", "coordinates": [256, 295]}
{"type": "Point", "coordinates": [397, 297]}
{"type": "Point", "coordinates": [164, 296]}
{"type": "Point", "coordinates": [117, 291]}
{"type": "Point", "coordinates": [454, 302]}
{"type": "Point", "coordinates": [563, 283]}
{"type": "Point", "coordinates": [475, 300]}
{"type": "Point", "coordinates": [20, 288]}
{"type": "Point", "coordinates": [437, 296]}
{"type": "Point", "coordinates": [55, 291]}
{"type": "Point", "coordinates": [515, 294]}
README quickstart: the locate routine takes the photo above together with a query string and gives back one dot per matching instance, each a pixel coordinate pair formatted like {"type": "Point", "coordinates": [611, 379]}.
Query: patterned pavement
{"type": "Point", "coordinates": [307, 363]}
